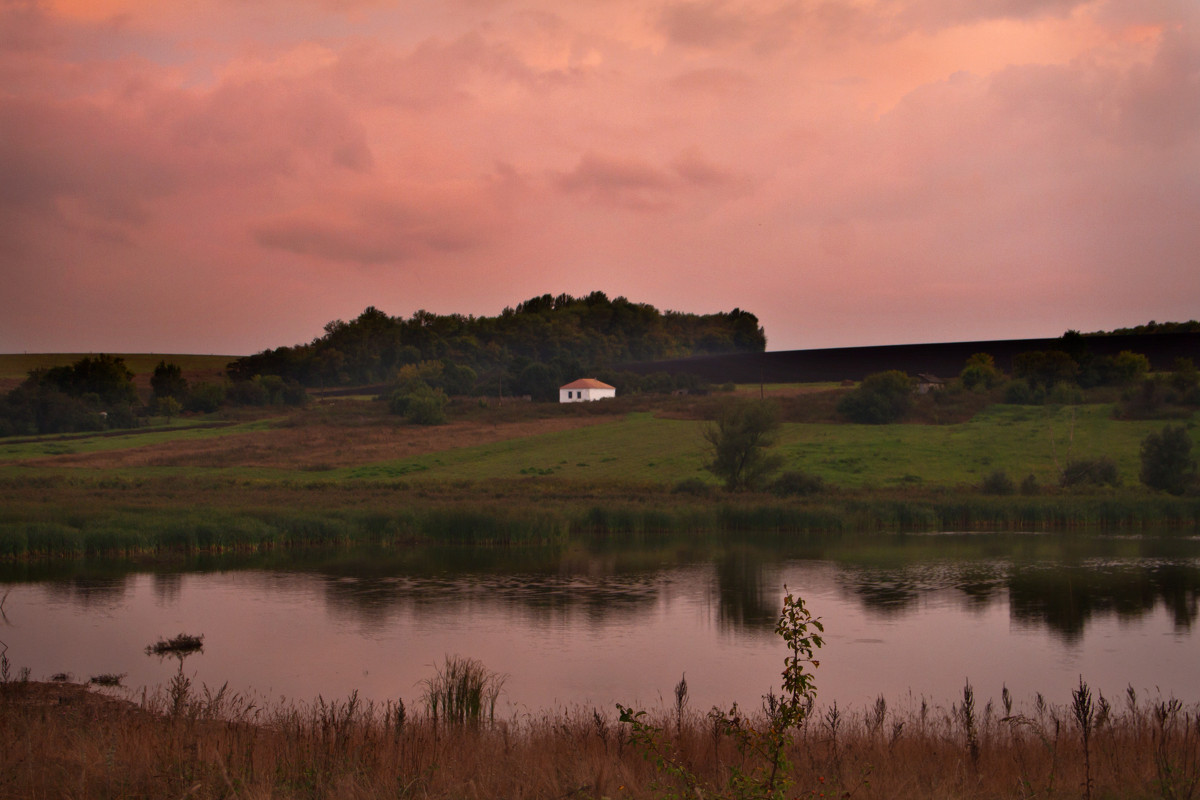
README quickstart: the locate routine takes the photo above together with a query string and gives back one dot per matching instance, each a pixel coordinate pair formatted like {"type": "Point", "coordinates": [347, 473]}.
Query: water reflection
{"type": "Point", "coordinates": [89, 591]}
{"type": "Point", "coordinates": [1056, 583]}
{"type": "Point", "coordinates": [1065, 599]}
{"type": "Point", "coordinates": [743, 598]}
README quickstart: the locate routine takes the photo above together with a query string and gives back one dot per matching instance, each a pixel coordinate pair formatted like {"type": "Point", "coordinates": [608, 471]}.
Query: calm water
{"type": "Point", "coordinates": [908, 617]}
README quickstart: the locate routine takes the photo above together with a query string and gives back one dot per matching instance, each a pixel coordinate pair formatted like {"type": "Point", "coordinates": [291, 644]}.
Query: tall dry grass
{"type": "Point", "coordinates": [64, 741]}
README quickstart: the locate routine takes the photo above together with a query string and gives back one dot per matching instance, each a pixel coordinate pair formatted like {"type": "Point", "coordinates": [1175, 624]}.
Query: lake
{"type": "Point", "coordinates": [909, 617]}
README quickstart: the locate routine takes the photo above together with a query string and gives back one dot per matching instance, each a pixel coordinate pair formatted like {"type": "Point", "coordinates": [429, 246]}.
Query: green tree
{"type": "Point", "coordinates": [1129, 367]}
{"type": "Point", "coordinates": [1044, 368]}
{"type": "Point", "coordinates": [105, 376]}
{"type": "Point", "coordinates": [168, 407]}
{"type": "Point", "coordinates": [980, 372]}
{"type": "Point", "coordinates": [738, 442]}
{"type": "Point", "coordinates": [881, 398]}
{"type": "Point", "coordinates": [1167, 461]}
{"type": "Point", "coordinates": [168, 381]}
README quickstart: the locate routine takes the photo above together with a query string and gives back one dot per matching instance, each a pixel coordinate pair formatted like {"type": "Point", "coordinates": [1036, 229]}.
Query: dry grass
{"type": "Point", "coordinates": [66, 741]}
{"type": "Point", "coordinates": [306, 442]}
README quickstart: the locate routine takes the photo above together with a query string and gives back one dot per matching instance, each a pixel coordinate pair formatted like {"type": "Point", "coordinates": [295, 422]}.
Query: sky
{"type": "Point", "coordinates": [224, 176]}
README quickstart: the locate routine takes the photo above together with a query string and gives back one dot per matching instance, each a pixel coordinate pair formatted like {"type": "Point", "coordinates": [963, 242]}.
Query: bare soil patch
{"type": "Point", "coordinates": [318, 446]}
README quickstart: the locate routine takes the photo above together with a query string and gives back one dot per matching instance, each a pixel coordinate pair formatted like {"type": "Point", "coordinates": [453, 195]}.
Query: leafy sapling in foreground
{"type": "Point", "coordinates": [763, 769]}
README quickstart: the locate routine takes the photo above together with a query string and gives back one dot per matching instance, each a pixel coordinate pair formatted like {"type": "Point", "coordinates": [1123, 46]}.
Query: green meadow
{"type": "Point", "coordinates": [642, 447]}
{"type": "Point", "coordinates": [648, 449]}
{"type": "Point", "coordinates": [325, 475]}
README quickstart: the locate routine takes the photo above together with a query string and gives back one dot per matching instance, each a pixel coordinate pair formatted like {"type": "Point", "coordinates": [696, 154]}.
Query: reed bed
{"type": "Point", "coordinates": [67, 741]}
{"type": "Point", "coordinates": [81, 519]}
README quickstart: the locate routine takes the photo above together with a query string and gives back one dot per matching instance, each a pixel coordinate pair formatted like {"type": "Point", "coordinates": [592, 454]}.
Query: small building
{"type": "Point", "coordinates": [927, 383]}
{"type": "Point", "coordinates": [584, 390]}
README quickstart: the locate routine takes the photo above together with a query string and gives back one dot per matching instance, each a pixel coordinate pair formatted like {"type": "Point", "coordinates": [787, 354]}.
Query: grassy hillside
{"type": "Point", "coordinates": [358, 441]}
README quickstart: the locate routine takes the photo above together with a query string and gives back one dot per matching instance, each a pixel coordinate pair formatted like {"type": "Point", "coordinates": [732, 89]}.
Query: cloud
{"type": "Point", "coordinates": [938, 14]}
{"type": "Point", "coordinates": [388, 228]}
{"type": "Point", "coordinates": [633, 183]}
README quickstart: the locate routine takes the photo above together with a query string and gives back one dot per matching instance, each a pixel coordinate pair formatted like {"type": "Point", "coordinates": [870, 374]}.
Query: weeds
{"type": "Point", "coordinates": [763, 767]}
{"type": "Point", "coordinates": [463, 691]}
{"type": "Point", "coordinates": [62, 740]}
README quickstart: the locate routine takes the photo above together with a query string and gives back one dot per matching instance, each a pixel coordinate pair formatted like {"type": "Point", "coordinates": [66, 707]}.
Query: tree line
{"type": "Point", "coordinates": [531, 349]}
{"type": "Point", "coordinates": [97, 393]}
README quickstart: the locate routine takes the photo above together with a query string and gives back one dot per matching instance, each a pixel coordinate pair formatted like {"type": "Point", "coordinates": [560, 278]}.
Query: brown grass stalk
{"type": "Point", "coordinates": [64, 740]}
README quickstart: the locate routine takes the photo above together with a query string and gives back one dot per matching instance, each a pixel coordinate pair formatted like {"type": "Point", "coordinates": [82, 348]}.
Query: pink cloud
{"type": "Point", "coordinates": [388, 227]}
{"type": "Point", "coordinates": [853, 172]}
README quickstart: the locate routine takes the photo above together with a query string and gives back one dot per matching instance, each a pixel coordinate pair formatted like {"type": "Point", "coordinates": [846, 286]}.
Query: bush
{"type": "Point", "coordinates": [1020, 393]}
{"type": "Point", "coordinates": [1128, 367]}
{"type": "Point", "coordinates": [797, 483]}
{"type": "Point", "coordinates": [205, 398]}
{"type": "Point", "coordinates": [1044, 368]}
{"type": "Point", "coordinates": [980, 373]}
{"type": "Point", "coordinates": [1167, 461]}
{"type": "Point", "coordinates": [421, 405]}
{"type": "Point", "coordinates": [738, 441]}
{"type": "Point", "coordinates": [428, 409]}
{"type": "Point", "coordinates": [1091, 472]}
{"type": "Point", "coordinates": [997, 482]}
{"type": "Point", "coordinates": [1029, 486]}
{"type": "Point", "coordinates": [881, 398]}
{"type": "Point", "coordinates": [1065, 394]}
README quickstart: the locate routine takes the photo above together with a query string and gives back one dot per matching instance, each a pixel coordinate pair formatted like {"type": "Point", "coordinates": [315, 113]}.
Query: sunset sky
{"type": "Point", "coordinates": [224, 176]}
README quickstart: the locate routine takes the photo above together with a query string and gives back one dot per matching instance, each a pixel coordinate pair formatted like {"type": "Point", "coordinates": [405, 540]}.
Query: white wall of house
{"type": "Point", "coordinates": [573, 394]}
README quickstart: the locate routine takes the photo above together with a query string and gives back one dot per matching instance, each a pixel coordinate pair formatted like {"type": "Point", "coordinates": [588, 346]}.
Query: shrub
{"type": "Point", "coordinates": [997, 482]}
{"type": "Point", "coordinates": [980, 373]}
{"type": "Point", "coordinates": [1044, 368]}
{"type": "Point", "coordinates": [881, 398]}
{"type": "Point", "coordinates": [1029, 486]}
{"type": "Point", "coordinates": [797, 483]}
{"type": "Point", "coordinates": [419, 404]}
{"type": "Point", "coordinates": [1091, 472]}
{"type": "Point", "coordinates": [738, 441]}
{"type": "Point", "coordinates": [1128, 367]}
{"type": "Point", "coordinates": [1066, 394]}
{"type": "Point", "coordinates": [427, 408]}
{"type": "Point", "coordinates": [1167, 461]}
{"type": "Point", "coordinates": [205, 398]}
{"type": "Point", "coordinates": [1019, 393]}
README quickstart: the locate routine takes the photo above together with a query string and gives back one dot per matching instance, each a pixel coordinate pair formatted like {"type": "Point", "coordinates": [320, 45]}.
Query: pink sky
{"type": "Point", "coordinates": [218, 176]}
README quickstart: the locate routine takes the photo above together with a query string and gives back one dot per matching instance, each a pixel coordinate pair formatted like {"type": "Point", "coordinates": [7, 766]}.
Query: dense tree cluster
{"type": "Point", "coordinates": [91, 394]}
{"type": "Point", "coordinates": [97, 393]}
{"type": "Point", "coordinates": [531, 349]}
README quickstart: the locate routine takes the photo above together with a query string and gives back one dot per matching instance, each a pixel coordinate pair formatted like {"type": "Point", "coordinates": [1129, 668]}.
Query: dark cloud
{"type": "Point", "coordinates": [636, 184]}
{"type": "Point", "coordinates": [936, 14]}
{"type": "Point", "coordinates": [25, 29]}
{"type": "Point", "coordinates": [627, 182]}
{"type": "Point", "coordinates": [380, 231]}
{"type": "Point", "coordinates": [269, 127]}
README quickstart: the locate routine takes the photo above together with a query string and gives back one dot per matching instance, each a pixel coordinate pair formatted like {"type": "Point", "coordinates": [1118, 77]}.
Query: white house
{"type": "Point", "coordinates": [585, 389]}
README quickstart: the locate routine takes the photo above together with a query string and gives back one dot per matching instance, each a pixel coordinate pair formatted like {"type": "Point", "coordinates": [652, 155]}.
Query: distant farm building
{"type": "Point", "coordinates": [927, 383]}
{"type": "Point", "coordinates": [585, 389]}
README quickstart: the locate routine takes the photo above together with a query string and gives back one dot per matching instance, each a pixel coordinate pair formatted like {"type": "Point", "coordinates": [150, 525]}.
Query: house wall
{"type": "Point", "coordinates": [584, 395]}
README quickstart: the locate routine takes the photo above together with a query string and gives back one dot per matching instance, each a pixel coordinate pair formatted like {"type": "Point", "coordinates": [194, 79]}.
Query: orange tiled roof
{"type": "Point", "coordinates": [587, 383]}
